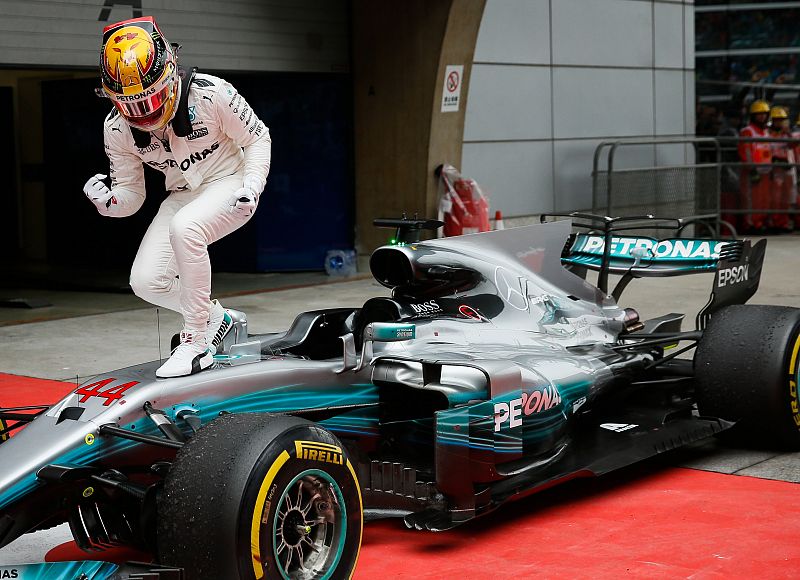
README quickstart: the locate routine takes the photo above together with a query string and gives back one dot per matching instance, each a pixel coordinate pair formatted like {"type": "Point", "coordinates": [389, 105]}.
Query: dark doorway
{"type": "Point", "coordinates": [306, 210]}
{"type": "Point", "coordinates": [308, 206]}
{"type": "Point", "coordinates": [9, 222]}
{"type": "Point", "coordinates": [73, 151]}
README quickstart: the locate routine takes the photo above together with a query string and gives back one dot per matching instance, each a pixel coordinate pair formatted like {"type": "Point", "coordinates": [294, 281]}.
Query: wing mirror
{"type": "Point", "coordinates": [373, 332]}
{"type": "Point", "coordinates": [389, 332]}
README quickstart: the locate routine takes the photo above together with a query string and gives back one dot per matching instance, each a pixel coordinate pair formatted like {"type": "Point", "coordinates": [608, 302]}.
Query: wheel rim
{"type": "Point", "coordinates": [309, 527]}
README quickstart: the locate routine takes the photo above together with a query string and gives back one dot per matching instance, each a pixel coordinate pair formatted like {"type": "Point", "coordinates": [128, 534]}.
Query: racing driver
{"type": "Point", "coordinates": [215, 154]}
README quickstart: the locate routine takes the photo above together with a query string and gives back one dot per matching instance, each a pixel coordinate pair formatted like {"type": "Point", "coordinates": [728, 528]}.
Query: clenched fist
{"type": "Point", "coordinates": [98, 192]}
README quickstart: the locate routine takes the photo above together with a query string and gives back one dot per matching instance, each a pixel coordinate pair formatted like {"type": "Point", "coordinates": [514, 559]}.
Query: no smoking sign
{"type": "Point", "coordinates": [452, 81]}
{"type": "Point", "coordinates": [451, 91]}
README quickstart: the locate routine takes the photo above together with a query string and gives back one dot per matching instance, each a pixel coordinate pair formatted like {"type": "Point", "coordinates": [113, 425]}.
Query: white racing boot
{"type": "Point", "coordinates": [219, 325]}
{"type": "Point", "coordinates": [190, 356]}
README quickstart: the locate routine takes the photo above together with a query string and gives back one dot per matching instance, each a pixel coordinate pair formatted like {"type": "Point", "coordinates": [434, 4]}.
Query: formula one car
{"type": "Point", "coordinates": [494, 370]}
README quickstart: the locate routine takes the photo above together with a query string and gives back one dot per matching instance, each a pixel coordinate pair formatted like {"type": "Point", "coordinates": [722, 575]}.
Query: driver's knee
{"type": "Point", "coordinates": [145, 282]}
{"type": "Point", "coordinates": [186, 233]}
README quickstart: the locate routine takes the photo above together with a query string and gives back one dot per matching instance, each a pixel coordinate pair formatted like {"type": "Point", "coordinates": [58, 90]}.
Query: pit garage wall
{"type": "Point", "coordinates": [246, 35]}
{"type": "Point", "coordinates": [553, 78]}
{"type": "Point", "coordinates": [401, 51]}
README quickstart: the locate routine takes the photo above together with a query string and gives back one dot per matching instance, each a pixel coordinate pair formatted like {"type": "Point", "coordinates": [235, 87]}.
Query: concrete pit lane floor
{"type": "Point", "coordinates": [706, 511]}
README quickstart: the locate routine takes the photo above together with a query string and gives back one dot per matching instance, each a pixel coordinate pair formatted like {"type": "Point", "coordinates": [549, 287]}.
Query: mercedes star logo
{"type": "Point", "coordinates": [508, 286]}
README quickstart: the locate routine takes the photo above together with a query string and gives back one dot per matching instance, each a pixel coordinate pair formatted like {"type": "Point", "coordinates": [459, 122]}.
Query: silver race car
{"type": "Point", "coordinates": [494, 370]}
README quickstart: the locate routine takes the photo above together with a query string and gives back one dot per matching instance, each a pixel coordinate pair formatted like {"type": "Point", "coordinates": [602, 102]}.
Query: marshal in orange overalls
{"type": "Point", "coordinates": [757, 165]}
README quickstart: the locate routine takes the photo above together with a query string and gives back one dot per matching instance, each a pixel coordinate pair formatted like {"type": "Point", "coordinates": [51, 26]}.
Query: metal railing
{"type": "Point", "coordinates": [691, 190]}
{"type": "Point", "coordinates": [778, 181]}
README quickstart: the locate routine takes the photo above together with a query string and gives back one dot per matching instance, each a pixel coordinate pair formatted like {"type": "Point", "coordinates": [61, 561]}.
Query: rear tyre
{"type": "Point", "coordinates": [261, 496]}
{"type": "Point", "coordinates": [746, 370]}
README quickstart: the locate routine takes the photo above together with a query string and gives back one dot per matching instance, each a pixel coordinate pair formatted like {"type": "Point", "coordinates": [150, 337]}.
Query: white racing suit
{"type": "Point", "coordinates": [224, 141]}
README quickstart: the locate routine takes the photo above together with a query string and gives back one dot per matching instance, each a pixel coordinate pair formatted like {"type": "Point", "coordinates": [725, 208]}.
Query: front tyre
{"type": "Point", "coordinates": [747, 367]}
{"type": "Point", "coordinates": [261, 496]}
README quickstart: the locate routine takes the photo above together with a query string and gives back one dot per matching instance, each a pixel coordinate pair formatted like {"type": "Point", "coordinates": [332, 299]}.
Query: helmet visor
{"type": "Point", "coordinates": [148, 113]}
{"type": "Point", "coordinates": [144, 106]}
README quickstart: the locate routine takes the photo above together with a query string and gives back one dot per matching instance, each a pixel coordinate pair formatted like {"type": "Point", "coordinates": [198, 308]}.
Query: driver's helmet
{"type": "Point", "coordinates": [139, 71]}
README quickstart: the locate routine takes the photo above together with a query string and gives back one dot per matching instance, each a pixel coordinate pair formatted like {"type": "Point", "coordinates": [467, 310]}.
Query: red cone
{"type": "Point", "coordinates": [498, 220]}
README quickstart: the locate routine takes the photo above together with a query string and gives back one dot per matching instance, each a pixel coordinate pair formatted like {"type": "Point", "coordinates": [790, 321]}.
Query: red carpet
{"type": "Point", "coordinates": [668, 524]}
{"type": "Point", "coordinates": [19, 391]}
{"type": "Point", "coordinates": [645, 522]}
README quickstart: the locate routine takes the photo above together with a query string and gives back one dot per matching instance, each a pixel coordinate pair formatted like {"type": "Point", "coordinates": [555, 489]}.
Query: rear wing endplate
{"type": "Point", "coordinates": [736, 280]}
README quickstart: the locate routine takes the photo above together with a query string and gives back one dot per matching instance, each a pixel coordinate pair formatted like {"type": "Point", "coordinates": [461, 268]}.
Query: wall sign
{"type": "Point", "coordinates": [451, 91]}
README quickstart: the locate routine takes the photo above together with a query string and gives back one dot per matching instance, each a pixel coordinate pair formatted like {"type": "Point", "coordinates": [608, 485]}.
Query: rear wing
{"type": "Point", "coordinates": [737, 264]}
{"type": "Point", "coordinates": [643, 256]}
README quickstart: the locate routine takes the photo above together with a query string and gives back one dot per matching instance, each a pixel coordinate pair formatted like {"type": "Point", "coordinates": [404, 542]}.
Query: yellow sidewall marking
{"type": "Point", "coordinates": [3, 426]}
{"type": "Point", "coordinates": [793, 384]}
{"type": "Point", "coordinates": [794, 356]}
{"type": "Point", "coordinates": [361, 507]}
{"type": "Point", "coordinates": [261, 499]}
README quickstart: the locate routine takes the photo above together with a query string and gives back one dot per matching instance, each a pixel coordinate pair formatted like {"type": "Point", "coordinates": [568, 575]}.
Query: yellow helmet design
{"type": "Point", "coordinates": [139, 72]}
{"type": "Point", "coordinates": [778, 113]}
{"type": "Point", "coordinates": [127, 55]}
{"type": "Point", "coordinates": [759, 106]}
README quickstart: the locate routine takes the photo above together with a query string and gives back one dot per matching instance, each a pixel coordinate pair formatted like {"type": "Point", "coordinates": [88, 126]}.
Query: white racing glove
{"type": "Point", "coordinates": [98, 192]}
{"type": "Point", "coordinates": [245, 199]}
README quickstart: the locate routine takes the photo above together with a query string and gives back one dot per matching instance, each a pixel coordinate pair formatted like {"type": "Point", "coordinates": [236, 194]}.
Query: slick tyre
{"type": "Point", "coordinates": [261, 496]}
{"type": "Point", "coordinates": [746, 370]}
